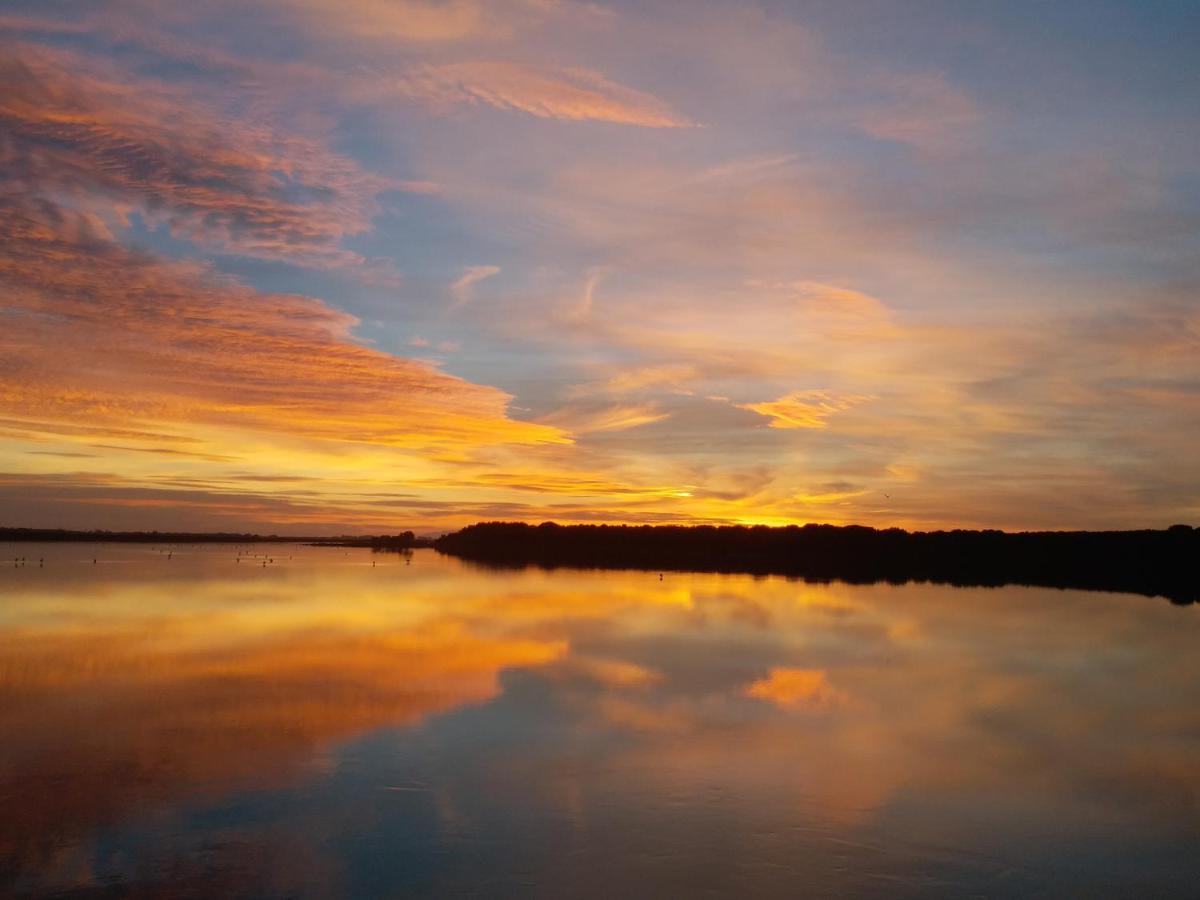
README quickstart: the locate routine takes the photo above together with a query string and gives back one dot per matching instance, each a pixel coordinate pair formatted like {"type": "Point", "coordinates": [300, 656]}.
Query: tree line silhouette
{"type": "Point", "coordinates": [406, 540]}
{"type": "Point", "coordinates": [1154, 563]}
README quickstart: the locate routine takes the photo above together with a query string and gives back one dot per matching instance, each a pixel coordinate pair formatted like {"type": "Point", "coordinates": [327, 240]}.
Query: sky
{"type": "Point", "coordinates": [345, 266]}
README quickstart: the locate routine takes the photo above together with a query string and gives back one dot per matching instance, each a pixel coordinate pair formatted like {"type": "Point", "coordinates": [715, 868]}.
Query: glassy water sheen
{"type": "Point", "coordinates": [324, 727]}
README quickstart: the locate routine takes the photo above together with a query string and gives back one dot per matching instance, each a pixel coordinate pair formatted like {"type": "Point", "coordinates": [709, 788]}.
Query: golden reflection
{"type": "Point", "coordinates": [139, 685]}
{"type": "Point", "coordinates": [161, 694]}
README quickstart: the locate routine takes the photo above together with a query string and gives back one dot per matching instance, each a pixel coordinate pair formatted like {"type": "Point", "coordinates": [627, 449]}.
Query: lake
{"type": "Point", "coordinates": [341, 723]}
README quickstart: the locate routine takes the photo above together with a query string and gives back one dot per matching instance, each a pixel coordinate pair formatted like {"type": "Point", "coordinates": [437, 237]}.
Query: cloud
{"type": "Point", "coordinates": [461, 288]}
{"type": "Point", "coordinates": [100, 335]}
{"type": "Point", "coordinates": [617, 674]}
{"type": "Point", "coordinates": [429, 24]}
{"type": "Point", "coordinates": [404, 20]}
{"type": "Point", "coordinates": [797, 689]}
{"type": "Point", "coordinates": [88, 132]}
{"type": "Point", "coordinates": [610, 418]}
{"type": "Point", "coordinates": [641, 378]}
{"type": "Point", "coordinates": [923, 110]}
{"type": "Point", "coordinates": [803, 409]}
{"type": "Point", "coordinates": [567, 94]}
{"type": "Point", "coordinates": [573, 483]}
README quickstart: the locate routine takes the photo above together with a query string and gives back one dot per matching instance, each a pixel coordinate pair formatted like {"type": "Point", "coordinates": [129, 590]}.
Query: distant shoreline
{"type": "Point", "coordinates": [1153, 563]}
{"type": "Point", "coordinates": [1158, 563]}
{"type": "Point", "coordinates": [63, 535]}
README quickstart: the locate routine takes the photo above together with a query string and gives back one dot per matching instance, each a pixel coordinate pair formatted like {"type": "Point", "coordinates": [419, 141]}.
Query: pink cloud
{"type": "Point", "coordinates": [569, 94]}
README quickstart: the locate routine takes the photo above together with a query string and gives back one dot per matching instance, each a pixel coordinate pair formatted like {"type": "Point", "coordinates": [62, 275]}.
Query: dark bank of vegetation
{"type": "Point", "coordinates": [385, 542]}
{"type": "Point", "coordinates": [1154, 563]}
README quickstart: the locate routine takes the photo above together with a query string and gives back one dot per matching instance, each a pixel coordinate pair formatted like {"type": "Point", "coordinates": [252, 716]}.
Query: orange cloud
{"type": "Point", "coordinates": [612, 673]}
{"type": "Point", "coordinates": [98, 335]}
{"type": "Point", "coordinates": [581, 484]}
{"type": "Point", "coordinates": [795, 689]}
{"type": "Point", "coordinates": [803, 409]}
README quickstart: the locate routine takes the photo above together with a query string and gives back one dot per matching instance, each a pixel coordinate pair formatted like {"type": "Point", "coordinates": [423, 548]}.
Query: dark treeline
{"type": "Point", "coordinates": [1154, 563]}
{"type": "Point", "coordinates": [406, 540]}
{"type": "Point", "coordinates": [137, 537]}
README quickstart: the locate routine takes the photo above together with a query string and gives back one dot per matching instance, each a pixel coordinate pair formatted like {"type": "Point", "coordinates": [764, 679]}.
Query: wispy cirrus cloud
{"type": "Point", "coordinates": [546, 92]}
{"type": "Point", "coordinates": [100, 334]}
{"type": "Point", "coordinates": [618, 417]}
{"type": "Point", "coordinates": [803, 409]}
{"type": "Point", "coordinates": [83, 130]}
{"type": "Point", "coordinates": [460, 289]}
{"type": "Point", "coordinates": [643, 378]}
{"type": "Point", "coordinates": [922, 109]}
{"type": "Point", "coordinates": [418, 21]}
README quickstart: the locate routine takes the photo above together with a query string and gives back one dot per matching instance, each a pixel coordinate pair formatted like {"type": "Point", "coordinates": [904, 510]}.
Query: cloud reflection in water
{"type": "Point", "coordinates": [325, 727]}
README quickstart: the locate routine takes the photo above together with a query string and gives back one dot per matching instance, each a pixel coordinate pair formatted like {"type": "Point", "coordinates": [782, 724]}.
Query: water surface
{"type": "Point", "coordinates": [342, 723]}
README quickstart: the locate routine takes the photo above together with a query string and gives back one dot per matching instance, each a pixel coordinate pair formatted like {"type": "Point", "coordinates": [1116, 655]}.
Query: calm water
{"type": "Point", "coordinates": [327, 727]}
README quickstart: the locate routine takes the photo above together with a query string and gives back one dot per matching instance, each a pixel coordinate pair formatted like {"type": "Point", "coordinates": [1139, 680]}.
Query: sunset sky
{"type": "Point", "coordinates": [321, 266]}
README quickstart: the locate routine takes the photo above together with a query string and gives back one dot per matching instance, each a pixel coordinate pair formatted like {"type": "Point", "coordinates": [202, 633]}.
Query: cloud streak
{"type": "Point", "coordinates": [460, 289]}
{"type": "Point", "coordinates": [80, 129]}
{"type": "Point", "coordinates": [568, 94]}
{"type": "Point", "coordinates": [99, 334]}
{"type": "Point", "coordinates": [803, 409]}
